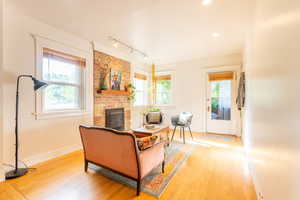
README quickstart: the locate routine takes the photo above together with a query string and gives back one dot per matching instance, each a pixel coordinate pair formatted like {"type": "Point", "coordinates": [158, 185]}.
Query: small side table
{"type": "Point", "coordinates": [162, 131]}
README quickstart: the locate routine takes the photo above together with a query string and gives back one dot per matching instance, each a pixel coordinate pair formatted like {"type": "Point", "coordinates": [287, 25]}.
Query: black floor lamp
{"type": "Point", "coordinates": [17, 172]}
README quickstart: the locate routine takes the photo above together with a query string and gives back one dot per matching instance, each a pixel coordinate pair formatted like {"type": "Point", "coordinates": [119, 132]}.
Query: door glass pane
{"type": "Point", "coordinates": [221, 100]}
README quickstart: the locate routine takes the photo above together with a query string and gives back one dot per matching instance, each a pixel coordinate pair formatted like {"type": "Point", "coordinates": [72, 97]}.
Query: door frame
{"type": "Point", "coordinates": [237, 70]}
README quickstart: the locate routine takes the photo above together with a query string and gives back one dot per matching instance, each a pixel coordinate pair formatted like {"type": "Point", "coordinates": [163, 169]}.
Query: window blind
{"type": "Point", "coordinates": [163, 77]}
{"type": "Point", "coordinates": [140, 76]}
{"type": "Point", "coordinates": [221, 76]}
{"type": "Point", "coordinates": [53, 54]}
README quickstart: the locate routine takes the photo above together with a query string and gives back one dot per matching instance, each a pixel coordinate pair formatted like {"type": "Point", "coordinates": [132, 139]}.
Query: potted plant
{"type": "Point", "coordinates": [131, 89]}
{"type": "Point", "coordinates": [154, 110]}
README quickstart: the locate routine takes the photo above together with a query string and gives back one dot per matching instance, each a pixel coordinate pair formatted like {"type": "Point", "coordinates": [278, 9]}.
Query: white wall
{"type": "Point", "coordinates": [189, 86]}
{"type": "Point", "coordinates": [39, 139]}
{"type": "Point", "coordinates": [1, 93]}
{"type": "Point", "coordinates": [272, 134]}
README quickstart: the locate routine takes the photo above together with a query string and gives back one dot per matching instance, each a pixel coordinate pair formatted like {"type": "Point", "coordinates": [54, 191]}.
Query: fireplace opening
{"type": "Point", "coordinates": [114, 118]}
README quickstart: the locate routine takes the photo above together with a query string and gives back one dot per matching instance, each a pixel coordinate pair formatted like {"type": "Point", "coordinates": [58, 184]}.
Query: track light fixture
{"type": "Point", "coordinates": [116, 43]}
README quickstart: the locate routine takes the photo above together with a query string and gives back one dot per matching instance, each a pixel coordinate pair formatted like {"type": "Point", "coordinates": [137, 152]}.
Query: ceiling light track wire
{"type": "Point", "coordinates": [117, 42]}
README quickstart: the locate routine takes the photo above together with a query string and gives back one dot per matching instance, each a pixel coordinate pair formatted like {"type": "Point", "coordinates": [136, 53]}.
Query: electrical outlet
{"type": "Point", "coordinates": [261, 197]}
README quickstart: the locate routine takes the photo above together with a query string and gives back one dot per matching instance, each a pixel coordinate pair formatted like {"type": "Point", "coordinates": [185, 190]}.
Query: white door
{"type": "Point", "coordinates": [221, 113]}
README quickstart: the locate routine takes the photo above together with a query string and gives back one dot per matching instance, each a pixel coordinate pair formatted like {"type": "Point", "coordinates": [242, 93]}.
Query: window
{"type": "Point", "coordinates": [163, 90]}
{"type": "Point", "coordinates": [64, 73]}
{"type": "Point", "coordinates": [141, 89]}
{"type": "Point", "coordinates": [221, 100]}
{"type": "Point", "coordinates": [220, 92]}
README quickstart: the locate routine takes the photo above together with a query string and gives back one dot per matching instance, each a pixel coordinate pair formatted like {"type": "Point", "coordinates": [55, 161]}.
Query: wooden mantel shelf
{"type": "Point", "coordinates": [114, 92]}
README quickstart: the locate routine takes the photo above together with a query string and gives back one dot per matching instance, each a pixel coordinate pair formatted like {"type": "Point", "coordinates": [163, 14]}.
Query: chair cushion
{"type": "Point", "coordinates": [154, 118]}
{"type": "Point", "coordinates": [146, 142]}
{"type": "Point", "coordinates": [183, 118]}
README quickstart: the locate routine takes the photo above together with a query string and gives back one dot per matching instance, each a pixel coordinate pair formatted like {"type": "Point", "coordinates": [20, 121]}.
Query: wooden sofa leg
{"type": "Point", "coordinates": [163, 167]}
{"type": "Point", "coordinates": [86, 163]}
{"type": "Point", "coordinates": [138, 187]}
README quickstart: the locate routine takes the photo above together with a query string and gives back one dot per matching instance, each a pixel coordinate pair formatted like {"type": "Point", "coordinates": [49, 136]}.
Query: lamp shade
{"type": "Point", "coordinates": [38, 84]}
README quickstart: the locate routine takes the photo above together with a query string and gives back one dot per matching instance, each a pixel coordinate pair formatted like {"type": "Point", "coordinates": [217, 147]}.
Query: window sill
{"type": "Point", "coordinates": [140, 106]}
{"type": "Point", "coordinates": [61, 114]}
{"type": "Point", "coordinates": [165, 106]}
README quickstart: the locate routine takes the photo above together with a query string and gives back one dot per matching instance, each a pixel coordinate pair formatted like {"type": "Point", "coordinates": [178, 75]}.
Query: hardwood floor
{"type": "Point", "coordinates": [216, 170]}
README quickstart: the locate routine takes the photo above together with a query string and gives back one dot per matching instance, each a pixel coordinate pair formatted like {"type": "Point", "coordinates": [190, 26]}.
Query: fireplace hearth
{"type": "Point", "coordinates": [114, 118]}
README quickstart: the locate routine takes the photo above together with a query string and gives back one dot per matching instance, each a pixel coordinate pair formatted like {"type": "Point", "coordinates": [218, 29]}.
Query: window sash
{"type": "Point", "coordinates": [142, 103]}
{"type": "Point", "coordinates": [80, 102]}
{"type": "Point", "coordinates": [64, 57]}
{"type": "Point", "coordinates": [77, 83]}
{"type": "Point", "coordinates": [50, 68]}
{"type": "Point", "coordinates": [142, 91]}
{"type": "Point", "coordinates": [63, 83]}
{"type": "Point", "coordinates": [161, 92]}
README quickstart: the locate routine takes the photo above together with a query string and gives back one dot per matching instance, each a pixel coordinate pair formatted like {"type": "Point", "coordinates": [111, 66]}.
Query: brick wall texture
{"type": "Point", "coordinates": [102, 63]}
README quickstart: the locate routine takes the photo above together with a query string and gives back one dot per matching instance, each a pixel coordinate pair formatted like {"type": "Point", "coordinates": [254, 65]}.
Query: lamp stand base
{"type": "Point", "coordinates": [15, 174]}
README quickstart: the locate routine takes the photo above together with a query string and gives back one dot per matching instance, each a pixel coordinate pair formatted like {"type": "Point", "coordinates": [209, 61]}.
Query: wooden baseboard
{"type": "Point", "coordinates": [223, 134]}
{"type": "Point", "coordinates": [41, 157]}
{"type": "Point", "coordinates": [2, 174]}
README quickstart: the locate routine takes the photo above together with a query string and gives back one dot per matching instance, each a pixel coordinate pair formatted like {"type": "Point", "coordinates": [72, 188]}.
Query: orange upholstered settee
{"type": "Point", "coordinates": [118, 152]}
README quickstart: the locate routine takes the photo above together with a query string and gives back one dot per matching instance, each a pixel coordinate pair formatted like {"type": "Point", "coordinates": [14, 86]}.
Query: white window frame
{"type": "Point", "coordinates": [40, 43]}
{"type": "Point", "coordinates": [161, 73]}
{"type": "Point", "coordinates": [145, 92]}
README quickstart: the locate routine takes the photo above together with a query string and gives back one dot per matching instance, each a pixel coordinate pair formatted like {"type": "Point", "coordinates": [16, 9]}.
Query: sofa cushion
{"type": "Point", "coordinates": [146, 142]}
{"type": "Point", "coordinates": [183, 118]}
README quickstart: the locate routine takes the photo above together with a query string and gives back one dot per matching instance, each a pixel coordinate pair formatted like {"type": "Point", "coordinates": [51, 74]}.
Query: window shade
{"type": "Point", "coordinates": [140, 76]}
{"type": "Point", "coordinates": [222, 76]}
{"type": "Point", "coordinates": [163, 77]}
{"type": "Point", "coordinates": [64, 57]}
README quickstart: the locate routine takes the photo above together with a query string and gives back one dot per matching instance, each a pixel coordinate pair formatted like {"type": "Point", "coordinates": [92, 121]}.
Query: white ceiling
{"type": "Point", "coordinates": [167, 30]}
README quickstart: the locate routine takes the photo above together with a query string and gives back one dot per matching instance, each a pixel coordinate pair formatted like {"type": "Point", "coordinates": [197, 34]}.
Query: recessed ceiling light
{"type": "Point", "coordinates": [215, 35]}
{"type": "Point", "coordinates": [206, 2]}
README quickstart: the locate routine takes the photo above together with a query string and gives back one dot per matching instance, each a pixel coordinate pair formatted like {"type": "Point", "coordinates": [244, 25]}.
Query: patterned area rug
{"type": "Point", "coordinates": [155, 183]}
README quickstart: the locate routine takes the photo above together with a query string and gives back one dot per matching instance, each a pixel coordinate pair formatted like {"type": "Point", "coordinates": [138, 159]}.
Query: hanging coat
{"type": "Point", "coordinates": [240, 100]}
